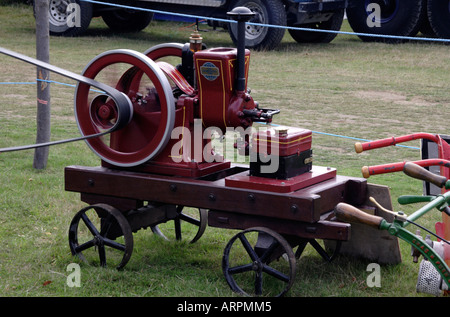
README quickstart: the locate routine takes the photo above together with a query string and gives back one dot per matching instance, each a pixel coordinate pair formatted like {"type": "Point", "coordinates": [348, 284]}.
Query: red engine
{"type": "Point", "coordinates": [175, 106]}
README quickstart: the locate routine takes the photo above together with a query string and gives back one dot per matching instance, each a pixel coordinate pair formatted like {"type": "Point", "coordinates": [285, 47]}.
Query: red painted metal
{"type": "Point", "coordinates": [177, 78]}
{"type": "Point", "coordinates": [398, 167]}
{"type": "Point", "coordinates": [442, 228]}
{"type": "Point", "coordinates": [316, 175]}
{"type": "Point", "coordinates": [145, 129]}
{"type": "Point", "coordinates": [284, 141]}
{"type": "Point", "coordinates": [360, 147]}
{"type": "Point", "coordinates": [220, 105]}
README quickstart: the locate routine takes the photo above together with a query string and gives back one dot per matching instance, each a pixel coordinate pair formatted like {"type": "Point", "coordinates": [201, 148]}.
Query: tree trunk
{"type": "Point", "coordinates": [43, 86]}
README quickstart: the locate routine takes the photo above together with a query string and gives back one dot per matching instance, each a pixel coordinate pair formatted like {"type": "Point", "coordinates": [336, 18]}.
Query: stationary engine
{"type": "Point", "coordinates": [170, 105]}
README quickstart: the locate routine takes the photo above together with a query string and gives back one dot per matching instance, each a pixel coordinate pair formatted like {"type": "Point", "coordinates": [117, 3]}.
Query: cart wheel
{"type": "Point", "coordinates": [114, 240]}
{"type": "Point", "coordinates": [246, 264]}
{"type": "Point", "coordinates": [189, 222]}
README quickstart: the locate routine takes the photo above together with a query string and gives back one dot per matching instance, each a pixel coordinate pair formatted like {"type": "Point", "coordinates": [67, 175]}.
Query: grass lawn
{"type": "Point", "coordinates": [346, 88]}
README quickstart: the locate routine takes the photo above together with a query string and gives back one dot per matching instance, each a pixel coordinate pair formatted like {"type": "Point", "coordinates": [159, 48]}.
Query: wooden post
{"type": "Point", "coordinates": [43, 86]}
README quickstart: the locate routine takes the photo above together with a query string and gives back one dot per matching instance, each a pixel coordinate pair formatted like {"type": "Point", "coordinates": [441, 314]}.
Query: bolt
{"type": "Point", "coordinates": [294, 209]}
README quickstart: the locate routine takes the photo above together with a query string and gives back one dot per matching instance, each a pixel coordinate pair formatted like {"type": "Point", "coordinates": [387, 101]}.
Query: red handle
{"type": "Point", "coordinates": [367, 171]}
{"type": "Point", "coordinates": [360, 147]}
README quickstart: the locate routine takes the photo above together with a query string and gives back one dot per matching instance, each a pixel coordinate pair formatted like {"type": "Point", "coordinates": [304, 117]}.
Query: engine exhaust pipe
{"type": "Point", "coordinates": [241, 15]}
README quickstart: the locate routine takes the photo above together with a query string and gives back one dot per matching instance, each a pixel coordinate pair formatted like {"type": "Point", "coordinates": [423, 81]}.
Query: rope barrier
{"type": "Point", "coordinates": [398, 37]}
{"type": "Point", "coordinates": [316, 132]}
{"type": "Point", "coordinates": [256, 24]}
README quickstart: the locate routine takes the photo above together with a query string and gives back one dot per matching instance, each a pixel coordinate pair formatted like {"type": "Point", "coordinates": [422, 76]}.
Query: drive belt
{"type": "Point", "coordinates": [122, 102]}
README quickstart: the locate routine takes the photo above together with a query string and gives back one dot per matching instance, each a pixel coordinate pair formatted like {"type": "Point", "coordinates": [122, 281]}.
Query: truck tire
{"type": "Point", "coordinates": [267, 12]}
{"type": "Point", "coordinates": [425, 26]}
{"type": "Point", "coordinates": [80, 16]}
{"type": "Point", "coordinates": [439, 17]}
{"type": "Point", "coordinates": [397, 17]}
{"type": "Point", "coordinates": [333, 24]}
{"type": "Point", "coordinates": [126, 20]}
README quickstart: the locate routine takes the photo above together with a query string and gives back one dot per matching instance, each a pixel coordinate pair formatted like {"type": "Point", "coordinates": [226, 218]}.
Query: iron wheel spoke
{"type": "Point", "coordinates": [266, 280]}
{"type": "Point", "coordinates": [250, 251]}
{"type": "Point", "coordinates": [189, 219]}
{"type": "Point", "coordinates": [115, 245]}
{"type": "Point", "coordinates": [275, 273]}
{"type": "Point", "coordinates": [90, 225]}
{"type": "Point", "coordinates": [113, 224]}
{"type": "Point", "coordinates": [240, 269]}
{"type": "Point", "coordinates": [85, 246]}
{"type": "Point", "coordinates": [102, 255]}
{"type": "Point", "coordinates": [258, 283]}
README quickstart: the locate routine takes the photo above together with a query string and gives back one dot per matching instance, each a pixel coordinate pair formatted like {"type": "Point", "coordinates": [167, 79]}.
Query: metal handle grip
{"type": "Point", "coordinates": [370, 145]}
{"type": "Point", "coordinates": [349, 213]}
{"type": "Point", "coordinates": [411, 199]}
{"type": "Point", "coordinates": [421, 173]}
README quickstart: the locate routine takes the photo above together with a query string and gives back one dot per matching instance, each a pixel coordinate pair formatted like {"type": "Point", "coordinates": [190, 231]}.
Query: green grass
{"type": "Point", "coordinates": [347, 87]}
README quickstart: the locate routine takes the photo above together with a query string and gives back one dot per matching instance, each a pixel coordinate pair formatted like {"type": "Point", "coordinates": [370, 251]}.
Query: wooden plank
{"type": "Point", "coordinates": [303, 205]}
{"type": "Point", "coordinates": [322, 229]}
{"type": "Point", "coordinates": [190, 192]}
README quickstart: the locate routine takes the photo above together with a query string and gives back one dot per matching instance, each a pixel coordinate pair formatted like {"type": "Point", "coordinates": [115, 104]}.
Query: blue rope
{"type": "Point", "coordinates": [264, 25]}
{"type": "Point", "coordinates": [273, 25]}
{"type": "Point", "coordinates": [18, 83]}
{"type": "Point", "coordinates": [45, 81]}
{"type": "Point", "coordinates": [364, 140]}
{"type": "Point", "coordinates": [346, 137]}
{"type": "Point", "coordinates": [272, 124]}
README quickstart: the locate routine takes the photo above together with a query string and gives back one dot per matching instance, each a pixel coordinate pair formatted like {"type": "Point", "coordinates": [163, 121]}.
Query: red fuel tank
{"type": "Point", "coordinates": [220, 105]}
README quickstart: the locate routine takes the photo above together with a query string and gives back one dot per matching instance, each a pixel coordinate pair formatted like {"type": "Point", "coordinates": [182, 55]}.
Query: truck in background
{"type": "Point", "coordinates": [387, 17]}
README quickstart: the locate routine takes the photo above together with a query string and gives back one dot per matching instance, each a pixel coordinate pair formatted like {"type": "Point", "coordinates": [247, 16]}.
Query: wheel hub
{"type": "Point", "coordinates": [257, 266]}
{"type": "Point", "coordinates": [98, 242]}
{"type": "Point", "coordinates": [58, 12]}
{"type": "Point", "coordinates": [253, 31]}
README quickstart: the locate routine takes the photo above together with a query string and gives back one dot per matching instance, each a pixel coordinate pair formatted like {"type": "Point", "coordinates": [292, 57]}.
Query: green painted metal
{"type": "Point", "coordinates": [397, 228]}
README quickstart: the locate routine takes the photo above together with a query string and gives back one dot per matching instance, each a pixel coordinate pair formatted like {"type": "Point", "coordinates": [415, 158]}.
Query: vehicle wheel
{"type": "Point", "coordinates": [266, 12]}
{"type": "Point", "coordinates": [101, 232]}
{"type": "Point", "coordinates": [396, 17]}
{"type": "Point", "coordinates": [333, 24]}
{"type": "Point", "coordinates": [68, 17]}
{"type": "Point", "coordinates": [190, 224]}
{"type": "Point", "coordinates": [439, 17]}
{"type": "Point", "coordinates": [127, 20]}
{"type": "Point", "coordinates": [261, 258]}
